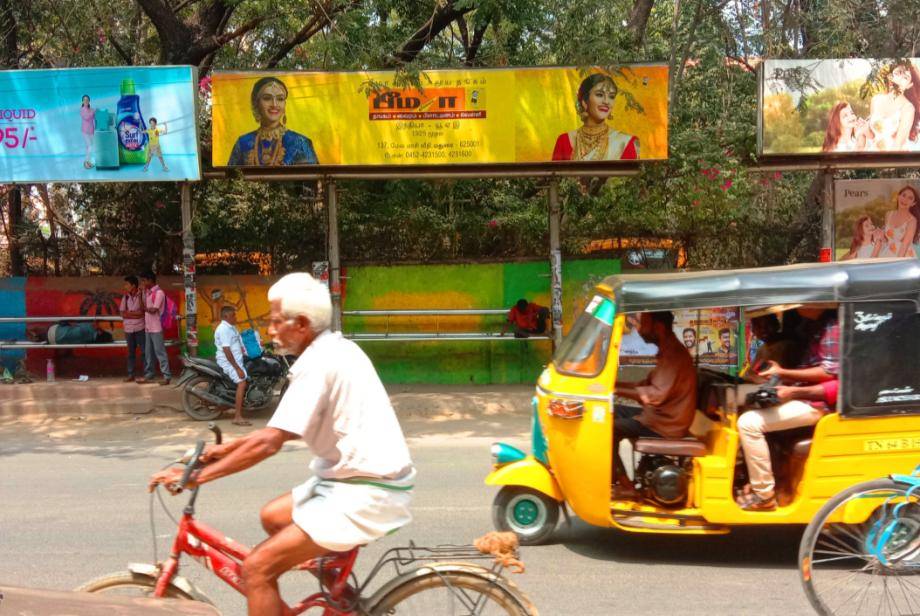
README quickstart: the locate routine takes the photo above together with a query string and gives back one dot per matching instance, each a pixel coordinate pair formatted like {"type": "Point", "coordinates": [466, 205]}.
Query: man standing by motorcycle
{"type": "Point", "coordinates": [229, 357]}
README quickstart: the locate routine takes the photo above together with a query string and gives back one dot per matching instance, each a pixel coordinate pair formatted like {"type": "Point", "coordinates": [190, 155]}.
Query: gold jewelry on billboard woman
{"type": "Point", "coordinates": [589, 139]}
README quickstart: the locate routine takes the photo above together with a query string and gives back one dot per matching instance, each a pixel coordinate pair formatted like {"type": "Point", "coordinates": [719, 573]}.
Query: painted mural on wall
{"type": "Point", "coordinates": [470, 286]}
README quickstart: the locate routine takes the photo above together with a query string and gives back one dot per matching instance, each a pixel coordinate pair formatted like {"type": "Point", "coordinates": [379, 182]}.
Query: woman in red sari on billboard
{"type": "Point", "coordinates": [894, 115]}
{"type": "Point", "coordinates": [595, 140]}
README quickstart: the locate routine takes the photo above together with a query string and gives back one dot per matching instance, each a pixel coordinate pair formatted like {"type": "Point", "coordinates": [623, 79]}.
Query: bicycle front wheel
{"type": "Point", "coordinates": [456, 592]}
{"type": "Point", "coordinates": [861, 552]}
{"type": "Point", "coordinates": [131, 584]}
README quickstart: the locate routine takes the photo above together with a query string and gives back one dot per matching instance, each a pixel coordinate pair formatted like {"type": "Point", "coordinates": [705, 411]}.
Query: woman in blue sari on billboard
{"type": "Point", "coordinates": [272, 144]}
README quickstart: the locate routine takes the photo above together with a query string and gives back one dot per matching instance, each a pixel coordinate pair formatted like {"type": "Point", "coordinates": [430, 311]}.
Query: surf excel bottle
{"type": "Point", "coordinates": [132, 140]}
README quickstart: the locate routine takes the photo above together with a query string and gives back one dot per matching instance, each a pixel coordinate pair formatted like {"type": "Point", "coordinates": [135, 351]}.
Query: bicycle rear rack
{"type": "Point", "coordinates": [402, 558]}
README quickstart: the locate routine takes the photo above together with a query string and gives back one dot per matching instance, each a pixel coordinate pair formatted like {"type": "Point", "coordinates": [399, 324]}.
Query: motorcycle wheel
{"type": "Point", "coordinates": [194, 406]}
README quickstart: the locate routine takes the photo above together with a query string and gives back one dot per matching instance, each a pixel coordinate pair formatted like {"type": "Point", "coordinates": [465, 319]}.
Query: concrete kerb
{"type": "Point", "coordinates": [113, 397]}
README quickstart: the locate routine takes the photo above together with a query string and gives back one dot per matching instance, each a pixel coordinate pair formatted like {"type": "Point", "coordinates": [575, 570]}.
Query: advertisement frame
{"type": "Point", "coordinates": [549, 168]}
{"type": "Point", "coordinates": [823, 160]}
{"type": "Point", "coordinates": [196, 109]}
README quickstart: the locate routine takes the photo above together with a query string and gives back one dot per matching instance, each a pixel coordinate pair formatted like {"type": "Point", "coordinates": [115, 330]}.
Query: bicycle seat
{"type": "Point", "coordinates": [332, 560]}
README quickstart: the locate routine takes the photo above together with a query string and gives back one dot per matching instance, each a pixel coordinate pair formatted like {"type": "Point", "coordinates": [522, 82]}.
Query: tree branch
{"type": "Point", "coordinates": [475, 44]}
{"type": "Point", "coordinates": [444, 14]}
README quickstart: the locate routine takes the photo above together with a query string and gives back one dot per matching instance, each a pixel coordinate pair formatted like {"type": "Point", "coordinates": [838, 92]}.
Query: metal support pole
{"type": "Point", "coordinates": [827, 219]}
{"type": "Point", "coordinates": [555, 261]}
{"type": "Point", "coordinates": [188, 271]}
{"type": "Point", "coordinates": [335, 284]}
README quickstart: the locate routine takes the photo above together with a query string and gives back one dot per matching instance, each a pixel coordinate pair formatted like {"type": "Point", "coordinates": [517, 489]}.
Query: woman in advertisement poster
{"type": "Point", "coordinates": [901, 225]}
{"type": "Point", "coordinates": [595, 140]}
{"type": "Point", "coordinates": [846, 132]}
{"type": "Point", "coordinates": [894, 115]}
{"type": "Point", "coordinates": [272, 144]}
{"type": "Point", "coordinates": [87, 128]}
{"type": "Point", "coordinates": [867, 240]}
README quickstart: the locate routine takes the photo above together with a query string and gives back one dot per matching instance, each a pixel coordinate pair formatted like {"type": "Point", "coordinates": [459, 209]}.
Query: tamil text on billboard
{"type": "Point", "coordinates": [120, 124]}
{"type": "Point", "coordinates": [848, 107]}
{"type": "Point", "coordinates": [877, 219]}
{"type": "Point", "coordinates": [527, 115]}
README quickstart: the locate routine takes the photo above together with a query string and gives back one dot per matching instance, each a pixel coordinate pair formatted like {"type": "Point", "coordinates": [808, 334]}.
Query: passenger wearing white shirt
{"type": "Point", "coordinates": [229, 357]}
{"type": "Point", "coordinates": [335, 402]}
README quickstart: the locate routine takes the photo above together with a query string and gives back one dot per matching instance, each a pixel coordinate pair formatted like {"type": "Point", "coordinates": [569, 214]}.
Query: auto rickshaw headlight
{"type": "Point", "coordinates": [503, 454]}
{"type": "Point", "coordinates": [566, 409]}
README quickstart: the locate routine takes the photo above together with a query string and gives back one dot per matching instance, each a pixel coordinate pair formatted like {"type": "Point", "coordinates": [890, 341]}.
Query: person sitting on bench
{"type": "Point", "coordinates": [527, 318]}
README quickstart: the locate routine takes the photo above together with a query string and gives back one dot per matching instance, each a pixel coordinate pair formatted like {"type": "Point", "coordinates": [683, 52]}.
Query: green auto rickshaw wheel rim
{"type": "Point", "coordinates": [526, 514]}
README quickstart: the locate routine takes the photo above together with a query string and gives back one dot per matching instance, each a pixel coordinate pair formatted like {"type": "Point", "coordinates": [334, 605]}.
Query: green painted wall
{"type": "Point", "coordinates": [462, 286]}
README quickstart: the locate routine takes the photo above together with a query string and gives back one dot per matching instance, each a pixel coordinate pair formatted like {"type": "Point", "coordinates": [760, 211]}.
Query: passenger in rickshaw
{"type": "Point", "coordinates": [779, 346]}
{"type": "Point", "coordinates": [811, 395]}
{"type": "Point", "coordinates": [667, 395]}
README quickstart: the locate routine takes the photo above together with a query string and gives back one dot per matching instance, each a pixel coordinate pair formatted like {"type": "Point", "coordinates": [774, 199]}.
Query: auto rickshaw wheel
{"type": "Point", "coordinates": [530, 515]}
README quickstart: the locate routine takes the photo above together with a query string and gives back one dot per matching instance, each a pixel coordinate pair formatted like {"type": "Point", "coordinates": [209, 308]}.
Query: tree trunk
{"type": "Point", "coordinates": [14, 203]}
{"type": "Point", "coordinates": [638, 20]}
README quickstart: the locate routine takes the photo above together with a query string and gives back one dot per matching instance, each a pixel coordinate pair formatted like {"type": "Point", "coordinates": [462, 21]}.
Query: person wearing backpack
{"type": "Point", "coordinates": [155, 306]}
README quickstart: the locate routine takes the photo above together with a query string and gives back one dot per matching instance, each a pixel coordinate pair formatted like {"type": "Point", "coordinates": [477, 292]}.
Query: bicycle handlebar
{"type": "Point", "coordinates": [194, 463]}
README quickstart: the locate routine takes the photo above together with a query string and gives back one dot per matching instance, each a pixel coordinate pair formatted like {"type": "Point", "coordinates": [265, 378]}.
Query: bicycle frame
{"type": "Point", "coordinates": [884, 529]}
{"type": "Point", "coordinates": [223, 557]}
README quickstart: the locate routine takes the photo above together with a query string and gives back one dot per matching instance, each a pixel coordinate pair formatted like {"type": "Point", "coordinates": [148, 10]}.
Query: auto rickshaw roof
{"type": "Point", "coordinates": [844, 281]}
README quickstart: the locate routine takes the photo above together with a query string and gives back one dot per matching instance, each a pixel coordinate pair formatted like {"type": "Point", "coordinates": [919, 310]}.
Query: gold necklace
{"type": "Point", "coordinates": [589, 139]}
{"type": "Point", "coordinates": [275, 151]}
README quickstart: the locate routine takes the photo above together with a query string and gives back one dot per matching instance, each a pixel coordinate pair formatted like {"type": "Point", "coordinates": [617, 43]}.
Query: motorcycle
{"type": "Point", "coordinates": [207, 391]}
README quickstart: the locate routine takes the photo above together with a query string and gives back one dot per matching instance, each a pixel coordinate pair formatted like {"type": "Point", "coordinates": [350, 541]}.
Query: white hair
{"type": "Point", "coordinates": [302, 295]}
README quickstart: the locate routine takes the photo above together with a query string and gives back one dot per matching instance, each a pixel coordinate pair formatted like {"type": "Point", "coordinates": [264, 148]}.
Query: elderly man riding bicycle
{"type": "Point", "coordinates": [363, 474]}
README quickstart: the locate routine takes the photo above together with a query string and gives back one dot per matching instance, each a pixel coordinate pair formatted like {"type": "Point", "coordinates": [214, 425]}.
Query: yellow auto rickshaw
{"type": "Point", "coordinates": [688, 486]}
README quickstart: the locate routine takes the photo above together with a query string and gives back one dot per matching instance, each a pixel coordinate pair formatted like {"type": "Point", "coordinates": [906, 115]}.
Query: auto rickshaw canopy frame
{"type": "Point", "coordinates": [838, 282]}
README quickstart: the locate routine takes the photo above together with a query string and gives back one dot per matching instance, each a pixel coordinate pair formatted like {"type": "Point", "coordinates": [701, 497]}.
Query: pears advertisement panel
{"type": "Point", "coordinates": [519, 115]}
{"type": "Point", "coordinates": [121, 124]}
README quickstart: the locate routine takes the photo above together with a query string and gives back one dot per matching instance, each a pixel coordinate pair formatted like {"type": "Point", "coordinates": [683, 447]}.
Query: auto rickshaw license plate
{"type": "Point", "coordinates": [891, 444]}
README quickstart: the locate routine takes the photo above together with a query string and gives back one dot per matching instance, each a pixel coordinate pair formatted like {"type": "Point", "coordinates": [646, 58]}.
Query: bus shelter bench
{"type": "Point", "coordinates": [436, 335]}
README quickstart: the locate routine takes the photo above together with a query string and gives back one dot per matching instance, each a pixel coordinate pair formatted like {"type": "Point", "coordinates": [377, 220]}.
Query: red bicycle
{"type": "Point", "coordinates": [427, 581]}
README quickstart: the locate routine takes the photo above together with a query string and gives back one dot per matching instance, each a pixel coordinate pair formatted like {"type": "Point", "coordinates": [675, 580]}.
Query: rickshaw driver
{"type": "Point", "coordinates": [802, 405]}
{"type": "Point", "coordinates": [667, 395]}
{"type": "Point", "coordinates": [335, 402]}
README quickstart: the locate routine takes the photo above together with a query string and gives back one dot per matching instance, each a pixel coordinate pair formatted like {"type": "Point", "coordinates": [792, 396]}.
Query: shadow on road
{"type": "Point", "coordinates": [770, 547]}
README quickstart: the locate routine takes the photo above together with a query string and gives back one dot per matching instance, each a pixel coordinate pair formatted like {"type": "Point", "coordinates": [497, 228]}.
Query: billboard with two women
{"type": "Point", "coordinates": [118, 124]}
{"type": "Point", "coordinates": [847, 107]}
{"type": "Point", "coordinates": [877, 218]}
{"type": "Point", "coordinates": [521, 115]}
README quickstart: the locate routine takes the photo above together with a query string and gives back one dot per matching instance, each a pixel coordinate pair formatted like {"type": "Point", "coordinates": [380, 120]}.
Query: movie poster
{"type": "Point", "coordinates": [852, 106]}
{"type": "Point", "coordinates": [710, 335]}
{"type": "Point", "coordinates": [876, 219]}
{"type": "Point", "coordinates": [520, 115]}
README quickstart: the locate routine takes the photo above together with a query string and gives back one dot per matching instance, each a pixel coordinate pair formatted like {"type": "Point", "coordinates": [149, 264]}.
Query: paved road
{"type": "Point", "coordinates": [73, 506]}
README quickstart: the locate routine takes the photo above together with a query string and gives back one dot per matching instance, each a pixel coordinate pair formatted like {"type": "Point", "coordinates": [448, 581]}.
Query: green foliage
{"type": "Point", "coordinates": [705, 195]}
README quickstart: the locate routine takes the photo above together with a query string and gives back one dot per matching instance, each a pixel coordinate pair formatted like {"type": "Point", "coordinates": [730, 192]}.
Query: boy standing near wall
{"type": "Point", "coordinates": [132, 315]}
{"type": "Point", "coordinates": [154, 304]}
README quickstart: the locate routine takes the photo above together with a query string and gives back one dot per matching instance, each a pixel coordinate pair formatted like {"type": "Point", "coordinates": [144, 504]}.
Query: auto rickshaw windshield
{"type": "Point", "coordinates": [584, 351]}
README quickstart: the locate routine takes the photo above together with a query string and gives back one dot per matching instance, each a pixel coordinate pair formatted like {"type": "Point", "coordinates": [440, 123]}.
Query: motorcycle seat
{"type": "Point", "coordinates": [204, 363]}
{"type": "Point", "coordinates": [689, 447]}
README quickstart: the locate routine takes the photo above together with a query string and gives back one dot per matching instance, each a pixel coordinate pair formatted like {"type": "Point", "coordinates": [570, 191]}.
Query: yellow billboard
{"type": "Point", "coordinates": [521, 115]}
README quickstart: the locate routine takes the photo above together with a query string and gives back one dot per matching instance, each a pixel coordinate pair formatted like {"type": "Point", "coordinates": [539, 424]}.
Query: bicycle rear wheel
{"type": "Point", "coordinates": [869, 565]}
{"type": "Point", "coordinates": [456, 592]}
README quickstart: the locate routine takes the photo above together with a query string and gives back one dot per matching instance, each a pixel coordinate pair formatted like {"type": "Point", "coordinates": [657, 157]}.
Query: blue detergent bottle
{"type": "Point", "coordinates": [130, 125]}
